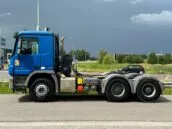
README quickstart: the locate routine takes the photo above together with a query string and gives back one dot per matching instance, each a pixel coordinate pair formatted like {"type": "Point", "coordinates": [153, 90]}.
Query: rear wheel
{"type": "Point", "coordinates": [148, 90]}
{"type": "Point", "coordinates": [118, 90]}
{"type": "Point", "coordinates": [41, 89]}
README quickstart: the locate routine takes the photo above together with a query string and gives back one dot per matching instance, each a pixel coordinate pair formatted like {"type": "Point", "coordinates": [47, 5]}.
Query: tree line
{"type": "Point", "coordinates": [160, 59]}
{"type": "Point", "coordinates": [81, 55]}
{"type": "Point", "coordinates": [106, 58]}
{"type": "Point", "coordinates": [152, 58]}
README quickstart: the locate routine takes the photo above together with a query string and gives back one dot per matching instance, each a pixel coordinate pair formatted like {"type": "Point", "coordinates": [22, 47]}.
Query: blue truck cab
{"type": "Point", "coordinates": [35, 55]}
{"type": "Point", "coordinates": [38, 63]}
{"type": "Point", "coordinates": [32, 52]}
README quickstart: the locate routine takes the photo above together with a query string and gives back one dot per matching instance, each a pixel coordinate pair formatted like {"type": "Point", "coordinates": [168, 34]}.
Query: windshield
{"type": "Point", "coordinates": [14, 50]}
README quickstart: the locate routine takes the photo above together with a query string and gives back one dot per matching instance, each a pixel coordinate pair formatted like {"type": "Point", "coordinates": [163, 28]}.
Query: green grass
{"type": "Point", "coordinates": [150, 69]}
{"type": "Point", "coordinates": [158, 69]}
{"type": "Point", "coordinates": [96, 67]}
{"type": "Point", "coordinates": [4, 89]}
{"type": "Point", "coordinates": [167, 91]}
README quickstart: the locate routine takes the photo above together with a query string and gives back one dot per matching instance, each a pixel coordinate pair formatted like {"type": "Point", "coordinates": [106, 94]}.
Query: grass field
{"type": "Point", "coordinates": [4, 88]}
{"type": "Point", "coordinates": [167, 91]}
{"type": "Point", "coordinates": [96, 67]}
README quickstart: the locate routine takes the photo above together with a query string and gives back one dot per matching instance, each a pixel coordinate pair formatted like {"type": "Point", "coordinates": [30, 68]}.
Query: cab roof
{"type": "Point", "coordinates": [35, 32]}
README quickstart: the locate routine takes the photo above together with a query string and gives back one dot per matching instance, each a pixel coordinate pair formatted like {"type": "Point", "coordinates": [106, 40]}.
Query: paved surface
{"type": "Point", "coordinates": [4, 76]}
{"type": "Point", "coordinates": [83, 112]}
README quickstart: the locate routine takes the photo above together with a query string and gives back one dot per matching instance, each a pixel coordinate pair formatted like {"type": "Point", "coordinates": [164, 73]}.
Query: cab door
{"type": "Point", "coordinates": [28, 58]}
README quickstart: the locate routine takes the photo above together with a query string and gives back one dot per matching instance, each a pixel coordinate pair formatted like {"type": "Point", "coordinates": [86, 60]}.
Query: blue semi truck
{"type": "Point", "coordinates": [39, 65]}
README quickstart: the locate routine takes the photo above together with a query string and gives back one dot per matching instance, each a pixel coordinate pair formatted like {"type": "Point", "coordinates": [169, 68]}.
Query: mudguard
{"type": "Point", "coordinates": [138, 79]}
{"type": "Point", "coordinates": [108, 78]}
{"type": "Point", "coordinates": [132, 79]}
{"type": "Point", "coordinates": [50, 72]}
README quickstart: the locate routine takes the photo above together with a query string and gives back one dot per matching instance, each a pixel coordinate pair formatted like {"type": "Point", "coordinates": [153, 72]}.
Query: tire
{"type": "Point", "coordinates": [41, 90]}
{"type": "Point", "coordinates": [118, 90]}
{"type": "Point", "coordinates": [148, 90]}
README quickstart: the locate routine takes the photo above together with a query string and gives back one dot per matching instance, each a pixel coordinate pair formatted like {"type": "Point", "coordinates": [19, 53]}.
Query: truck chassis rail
{"type": "Point", "coordinates": [167, 84]}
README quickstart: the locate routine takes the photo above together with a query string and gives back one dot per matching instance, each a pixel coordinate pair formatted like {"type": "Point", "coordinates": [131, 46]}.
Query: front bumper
{"type": "Point", "coordinates": [17, 83]}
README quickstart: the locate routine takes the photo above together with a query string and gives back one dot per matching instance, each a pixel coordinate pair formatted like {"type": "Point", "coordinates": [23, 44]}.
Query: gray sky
{"type": "Point", "coordinates": [123, 26]}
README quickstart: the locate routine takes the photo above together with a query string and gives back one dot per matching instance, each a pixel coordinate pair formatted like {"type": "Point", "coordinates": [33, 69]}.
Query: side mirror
{"type": "Point", "coordinates": [62, 44]}
{"type": "Point", "coordinates": [19, 47]}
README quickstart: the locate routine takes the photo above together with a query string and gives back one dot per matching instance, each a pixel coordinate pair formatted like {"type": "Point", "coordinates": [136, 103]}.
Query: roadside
{"type": "Point", "coordinates": [4, 89]}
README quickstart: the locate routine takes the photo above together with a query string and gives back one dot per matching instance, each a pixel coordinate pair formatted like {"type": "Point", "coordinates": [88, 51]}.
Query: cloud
{"type": "Point", "coordinates": [163, 18]}
{"type": "Point", "coordinates": [5, 14]}
{"type": "Point", "coordinates": [137, 1]}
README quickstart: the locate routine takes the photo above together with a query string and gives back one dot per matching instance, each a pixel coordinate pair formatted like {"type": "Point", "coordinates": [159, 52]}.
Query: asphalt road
{"type": "Point", "coordinates": [93, 112]}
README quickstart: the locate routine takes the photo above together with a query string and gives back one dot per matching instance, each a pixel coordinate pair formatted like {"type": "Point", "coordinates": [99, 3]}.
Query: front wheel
{"type": "Point", "coordinates": [148, 90]}
{"type": "Point", "coordinates": [41, 89]}
{"type": "Point", "coordinates": [118, 90]}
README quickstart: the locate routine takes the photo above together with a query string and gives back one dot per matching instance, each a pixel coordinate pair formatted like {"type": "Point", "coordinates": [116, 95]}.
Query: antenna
{"type": "Point", "coordinates": [0, 32]}
{"type": "Point", "coordinates": [38, 15]}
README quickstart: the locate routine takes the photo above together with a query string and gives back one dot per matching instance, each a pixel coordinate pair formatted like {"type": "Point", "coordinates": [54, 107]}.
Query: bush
{"type": "Point", "coordinates": [102, 54]}
{"type": "Point", "coordinates": [93, 58]}
{"type": "Point", "coordinates": [168, 58]}
{"type": "Point", "coordinates": [144, 56]}
{"type": "Point", "coordinates": [127, 59]}
{"type": "Point", "coordinates": [133, 59]}
{"type": "Point", "coordinates": [120, 58]}
{"type": "Point", "coordinates": [80, 54]}
{"type": "Point", "coordinates": [164, 59]}
{"type": "Point", "coordinates": [108, 59]}
{"type": "Point", "coordinates": [161, 60]}
{"type": "Point", "coordinates": [137, 59]}
{"type": "Point", "coordinates": [152, 58]}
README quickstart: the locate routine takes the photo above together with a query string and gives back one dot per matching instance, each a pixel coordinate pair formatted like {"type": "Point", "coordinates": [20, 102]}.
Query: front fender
{"type": "Point", "coordinates": [50, 72]}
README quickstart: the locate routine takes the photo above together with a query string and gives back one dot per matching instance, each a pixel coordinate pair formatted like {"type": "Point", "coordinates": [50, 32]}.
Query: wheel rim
{"type": "Point", "coordinates": [41, 90]}
{"type": "Point", "coordinates": [118, 89]}
{"type": "Point", "coordinates": [149, 90]}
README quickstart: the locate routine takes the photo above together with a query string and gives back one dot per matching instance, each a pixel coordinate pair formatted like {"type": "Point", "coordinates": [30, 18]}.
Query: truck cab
{"type": "Point", "coordinates": [31, 52]}
{"type": "Point", "coordinates": [38, 63]}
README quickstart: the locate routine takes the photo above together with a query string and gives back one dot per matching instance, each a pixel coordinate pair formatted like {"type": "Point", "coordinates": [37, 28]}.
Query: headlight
{"type": "Point", "coordinates": [17, 62]}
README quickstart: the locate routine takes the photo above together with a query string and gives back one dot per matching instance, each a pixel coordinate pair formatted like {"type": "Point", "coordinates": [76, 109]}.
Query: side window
{"type": "Point", "coordinates": [29, 46]}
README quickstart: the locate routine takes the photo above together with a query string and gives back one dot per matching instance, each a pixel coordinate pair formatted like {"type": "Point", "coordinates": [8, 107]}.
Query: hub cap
{"type": "Point", "coordinates": [118, 89]}
{"type": "Point", "coordinates": [149, 90]}
{"type": "Point", "coordinates": [41, 90]}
